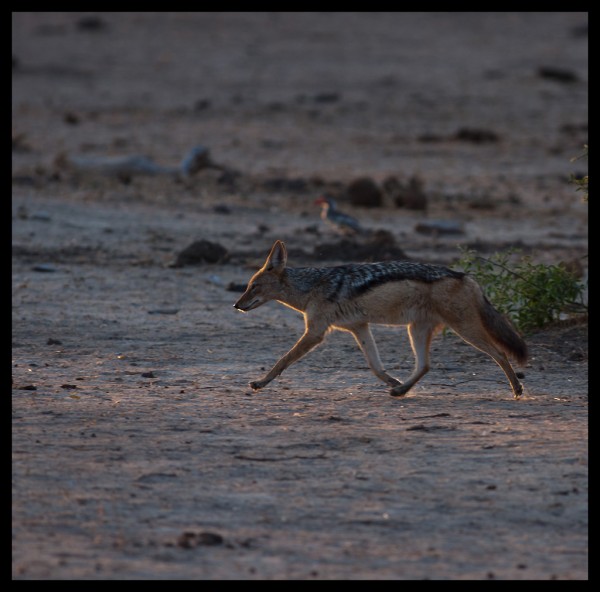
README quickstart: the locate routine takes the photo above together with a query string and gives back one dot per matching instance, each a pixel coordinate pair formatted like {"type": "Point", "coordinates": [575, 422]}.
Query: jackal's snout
{"type": "Point", "coordinates": [241, 305]}
{"type": "Point", "coordinates": [247, 301]}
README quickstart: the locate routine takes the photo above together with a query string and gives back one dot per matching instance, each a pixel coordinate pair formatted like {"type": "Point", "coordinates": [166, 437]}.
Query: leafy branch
{"type": "Point", "coordinates": [532, 295]}
{"type": "Point", "coordinates": [582, 183]}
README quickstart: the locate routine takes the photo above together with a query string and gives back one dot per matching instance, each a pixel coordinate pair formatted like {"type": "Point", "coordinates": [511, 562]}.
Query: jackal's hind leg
{"type": "Point", "coordinates": [482, 342]}
{"type": "Point", "coordinates": [420, 340]}
{"type": "Point", "coordinates": [364, 338]}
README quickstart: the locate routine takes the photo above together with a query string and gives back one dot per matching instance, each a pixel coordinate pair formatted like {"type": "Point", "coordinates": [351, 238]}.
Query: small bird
{"type": "Point", "coordinates": [342, 223]}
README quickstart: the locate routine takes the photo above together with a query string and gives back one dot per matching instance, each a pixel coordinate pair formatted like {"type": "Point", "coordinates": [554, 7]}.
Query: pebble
{"type": "Point", "coordinates": [365, 192]}
{"type": "Point", "coordinates": [200, 252]}
{"type": "Point", "coordinates": [435, 227]}
{"type": "Point", "coordinates": [44, 268]}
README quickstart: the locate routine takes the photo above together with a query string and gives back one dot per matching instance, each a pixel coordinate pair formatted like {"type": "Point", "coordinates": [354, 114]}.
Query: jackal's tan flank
{"type": "Point", "coordinates": [348, 297]}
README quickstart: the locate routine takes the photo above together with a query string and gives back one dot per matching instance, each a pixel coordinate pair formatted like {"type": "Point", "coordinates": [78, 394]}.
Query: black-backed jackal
{"type": "Point", "coordinates": [348, 297]}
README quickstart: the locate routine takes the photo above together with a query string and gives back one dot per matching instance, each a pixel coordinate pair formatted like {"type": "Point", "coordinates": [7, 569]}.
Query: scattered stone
{"type": "Point", "coordinates": [91, 24]}
{"type": "Point", "coordinates": [437, 227]}
{"type": "Point", "coordinates": [580, 30]}
{"type": "Point", "coordinates": [148, 375]}
{"type": "Point", "coordinates": [430, 137]}
{"type": "Point", "coordinates": [68, 386]}
{"type": "Point", "coordinates": [53, 342]}
{"type": "Point", "coordinates": [229, 178]}
{"type": "Point", "coordinates": [364, 192]}
{"type": "Point", "coordinates": [327, 97]}
{"type": "Point", "coordinates": [44, 268]}
{"type": "Point", "coordinates": [476, 135]}
{"type": "Point", "coordinates": [557, 74]}
{"type": "Point", "coordinates": [190, 540]}
{"type": "Point", "coordinates": [428, 428]}
{"type": "Point", "coordinates": [576, 356]}
{"type": "Point", "coordinates": [567, 128]}
{"type": "Point", "coordinates": [28, 387]}
{"type": "Point", "coordinates": [410, 195]}
{"type": "Point", "coordinates": [222, 209]}
{"type": "Point", "coordinates": [196, 159]}
{"type": "Point", "coordinates": [201, 105]}
{"type": "Point", "coordinates": [201, 252]}
{"type": "Point", "coordinates": [41, 215]}
{"type": "Point", "coordinates": [283, 184]}
{"type": "Point", "coordinates": [262, 228]}
{"type": "Point", "coordinates": [167, 311]}
{"type": "Point", "coordinates": [380, 246]}
{"type": "Point", "coordinates": [481, 202]}
{"type": "Point", "coordinates": [463, 134]}
{"type": "Point", "coordinates": [19, 143]}
{"type": "Point", "coordinates": [235, 287]}
{"type": "Point", "coordinates": [71, 118]}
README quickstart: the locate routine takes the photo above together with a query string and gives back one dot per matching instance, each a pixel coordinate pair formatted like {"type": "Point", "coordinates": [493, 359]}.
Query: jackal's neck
{"type": "Point", "coordinates": [297, 284]}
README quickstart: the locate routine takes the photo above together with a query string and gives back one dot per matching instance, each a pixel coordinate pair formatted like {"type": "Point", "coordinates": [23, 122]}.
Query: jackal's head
{"type": "Point", "coordinates": [266, 283]}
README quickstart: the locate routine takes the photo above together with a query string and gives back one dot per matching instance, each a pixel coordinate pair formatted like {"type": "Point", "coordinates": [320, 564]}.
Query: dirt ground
{"type": "Point", "coordinates": [139, 452]}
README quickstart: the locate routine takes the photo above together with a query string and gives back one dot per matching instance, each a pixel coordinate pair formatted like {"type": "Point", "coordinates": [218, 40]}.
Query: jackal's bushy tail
{"type": "Point", "coordinates": [503, 333]}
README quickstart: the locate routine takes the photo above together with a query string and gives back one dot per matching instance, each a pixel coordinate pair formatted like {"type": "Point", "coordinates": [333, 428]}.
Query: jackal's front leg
{"type": "Point", "coordinates": [302, 347]}
{"type": "Point", "coordinates": [420, 341]}
{"type": "Point", "coordinates": [364, 338]}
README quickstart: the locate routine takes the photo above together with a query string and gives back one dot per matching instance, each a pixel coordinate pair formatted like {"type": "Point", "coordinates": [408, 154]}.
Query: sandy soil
{"type": "Point", "coordinates": [138, 449]}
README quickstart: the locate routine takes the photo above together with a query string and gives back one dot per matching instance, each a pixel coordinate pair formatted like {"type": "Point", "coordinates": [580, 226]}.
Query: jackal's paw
{"type": "Point", "coordinates": [399, 390]}
{"type": "Point", "coordinates": [393, 382]}
{"type": "Point", "coordinates": [518, 391]}
{"type": "Point", "coordinates": [257, 384]}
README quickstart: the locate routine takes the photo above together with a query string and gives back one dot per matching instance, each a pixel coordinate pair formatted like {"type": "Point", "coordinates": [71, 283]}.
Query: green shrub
{"type": "Point", "coordinates": [532, 295]}
{"type": "Point", "coordinates": [582, 182]}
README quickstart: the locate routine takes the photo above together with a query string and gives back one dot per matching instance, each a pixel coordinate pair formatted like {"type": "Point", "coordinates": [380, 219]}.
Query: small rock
{"type": "Point", "coordinates": [364, 192]}
{"type": "Point", "coordinates": [327, 97]}
{"type": "Point", "coordinates": [476, 135]}
{"type": "Point", "coordinates": [148, 375]}
{"type": "Point", "coordinates": [196, 159]}
{"type": "Point", "coordinates": [20, 143]}
{"type": "Point", "coordinates": [200, 252]}
{"type": "Point", "coordinates": [71, 118]}
{"type": "Point", "coordinates": [209, 538]}
{"type": "Point", "coordinates": [557, 74]}
{"type": "Point", "coordinates": [235, 287]}
{"type": "Point", "coordinates": [44, 268]}
{"type": "Point", "coordinates": [189, 540]}
{"type": "Point", "coordinates": [41, 216]}
{"type": "Point", "coordinates": [222, 209]}
{"type": "Point", "coordinates": [53, 341]}
{"type": "Point", "coordinates": [380, 246]}
{"type": "Point", "coordinates": [91, 23]}
{"type": "Point", "coordinates": [410, 196]}
{"type": "Point", "coordinates": [436, 227]}
{"type": "Point", "coordinates": [201, 105]}
{"type": "Point", "coordinates": [283, 184]}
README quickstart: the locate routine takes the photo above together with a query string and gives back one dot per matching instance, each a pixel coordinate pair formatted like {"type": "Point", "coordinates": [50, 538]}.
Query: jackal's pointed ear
{"type": "Point", "coordinates": [277, 257]}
